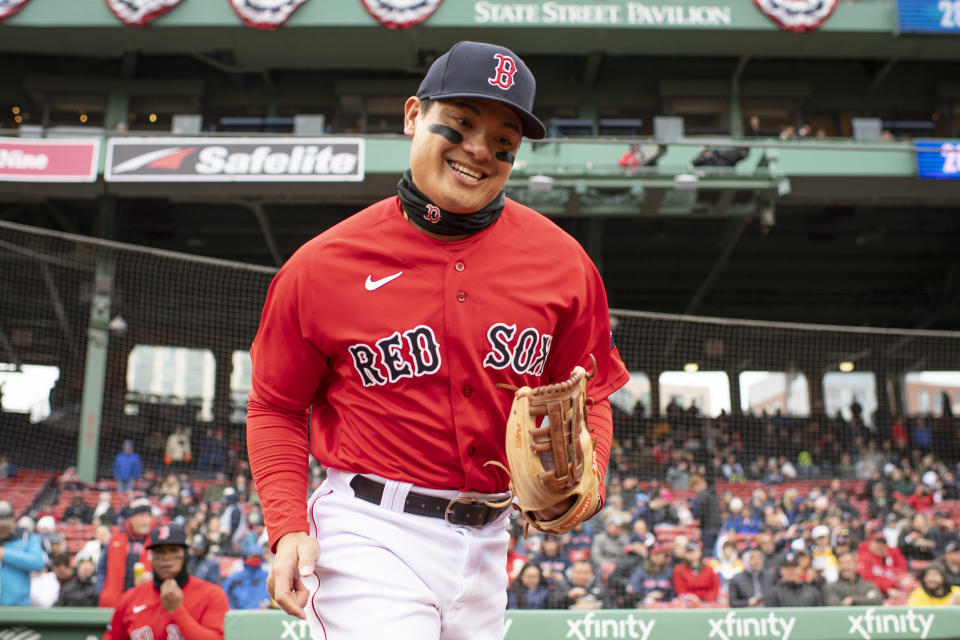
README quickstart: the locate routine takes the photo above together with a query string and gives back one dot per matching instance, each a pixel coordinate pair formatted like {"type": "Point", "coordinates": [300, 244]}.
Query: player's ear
{"type": "Point", "coordinates": [411, 110]}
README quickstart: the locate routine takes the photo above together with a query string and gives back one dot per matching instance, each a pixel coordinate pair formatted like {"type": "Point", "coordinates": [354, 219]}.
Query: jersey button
{"type": "Point", "coordinates": [458, 266]}
{"type": "Point", "coordinates": [467, 390]}
{"type": "Point", "coordinates": [471, 450]}
{"type": "Point", "coordinates": [461, 296]}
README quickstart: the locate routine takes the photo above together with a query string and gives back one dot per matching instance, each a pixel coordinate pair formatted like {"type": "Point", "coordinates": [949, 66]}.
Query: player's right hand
{"type": "Point", "coordinates": [295, 558]}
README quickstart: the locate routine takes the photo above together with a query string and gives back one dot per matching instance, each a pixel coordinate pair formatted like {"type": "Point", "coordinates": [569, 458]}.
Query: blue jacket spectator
{"type": "Point", "coordinates": [247, 588]}
{"type": "Point", "coordinates": [741, 519]}
{"type": "Point", "coordinates": [20, 553]}
{"type": "Point", "coordinates": [742, 524]}
{"type": "Point", "coordinates": [127, 467]}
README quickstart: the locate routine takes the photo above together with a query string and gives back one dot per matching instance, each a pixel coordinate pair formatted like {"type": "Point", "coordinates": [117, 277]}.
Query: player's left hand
{"type": "Point", "coordinates": [171, 596]}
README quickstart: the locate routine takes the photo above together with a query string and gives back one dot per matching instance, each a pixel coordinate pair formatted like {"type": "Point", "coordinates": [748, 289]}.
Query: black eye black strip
{"type": "Point", "coordinates": [452, 135]}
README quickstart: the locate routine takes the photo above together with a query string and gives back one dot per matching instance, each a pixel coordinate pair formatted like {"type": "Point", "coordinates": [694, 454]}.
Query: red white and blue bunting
{"type": "Point", "coordinates": [797, 15]}
{"type": "Point", "coordinates": [400, 14]}
{"type": "Point", "coordinates": [138, 13]}
{"type": "Point", "coordinates": [10, 7]}
{"type": "Point", "coordinates": [266, 15]}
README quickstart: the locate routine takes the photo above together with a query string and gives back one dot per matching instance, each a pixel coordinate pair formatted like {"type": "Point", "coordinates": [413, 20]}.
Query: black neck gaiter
{"type": "Point", "coordinates": [426, 215]}
{"type": "Point", "coordinates": [181, 577]}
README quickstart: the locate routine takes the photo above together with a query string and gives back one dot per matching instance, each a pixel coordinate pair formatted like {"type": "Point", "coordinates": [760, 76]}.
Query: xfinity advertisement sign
{"type": "Point", "coordinates": [234, 160]}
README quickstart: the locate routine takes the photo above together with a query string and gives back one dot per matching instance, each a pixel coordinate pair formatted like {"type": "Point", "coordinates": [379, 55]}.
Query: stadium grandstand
{"type": "Point", "coordinates": [769, 194]}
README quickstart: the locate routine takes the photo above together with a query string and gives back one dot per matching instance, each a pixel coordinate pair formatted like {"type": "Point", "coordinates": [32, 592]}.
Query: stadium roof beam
{"type": "Point", "coordinates": [261, 215]}
{"type": "Point", "coordinates": [236, 71]}
{"type": "Point", "coordinates": [52, 83]}
{"type": "Point", "coordinates": [881, 75]}
{"type": "Point", "coordinates": [63, 220]}
{"type": "Point", "coordinates": [728, 244]}
{"type": "Point", "coordinates": [56, 302]}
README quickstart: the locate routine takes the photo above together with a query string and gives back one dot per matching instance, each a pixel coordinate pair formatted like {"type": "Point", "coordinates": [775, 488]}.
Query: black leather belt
{"type": "Point", "coordinates": [459, 511]}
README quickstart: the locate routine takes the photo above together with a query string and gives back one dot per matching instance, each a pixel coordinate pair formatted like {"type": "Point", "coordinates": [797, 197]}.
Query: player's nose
{"type": "Point", "coordinates": [478, 146]}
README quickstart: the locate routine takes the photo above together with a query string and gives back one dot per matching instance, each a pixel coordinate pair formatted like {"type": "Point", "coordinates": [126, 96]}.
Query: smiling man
{"type": "Point", "coordinates": [174, 605]}
{"type": "Point", "coordinates": [383, 345]}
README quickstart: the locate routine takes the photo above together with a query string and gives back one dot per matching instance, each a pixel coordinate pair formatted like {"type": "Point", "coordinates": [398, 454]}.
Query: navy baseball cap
{"type": "Point", "coordinates": [168, 534]}
{"type": "Point", "coordinates": [488, 71]}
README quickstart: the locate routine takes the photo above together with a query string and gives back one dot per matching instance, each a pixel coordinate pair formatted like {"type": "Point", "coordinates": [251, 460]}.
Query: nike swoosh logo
{"type": "Point", "coordinates": [139, 608]}
{"type": "Point", "coordinates": [373, 285]}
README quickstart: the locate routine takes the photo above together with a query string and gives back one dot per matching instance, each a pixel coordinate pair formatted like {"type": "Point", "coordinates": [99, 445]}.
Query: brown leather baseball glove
{"type": "Point", "coordinates": [553, 474]}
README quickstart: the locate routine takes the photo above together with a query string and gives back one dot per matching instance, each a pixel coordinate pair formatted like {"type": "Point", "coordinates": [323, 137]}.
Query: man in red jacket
{"type": "Point", "coordinates": [880, 564]}
{"type": "Point", "coordinates": [174, 605]}
{"type": "Point", "coordinates": [126, 547]}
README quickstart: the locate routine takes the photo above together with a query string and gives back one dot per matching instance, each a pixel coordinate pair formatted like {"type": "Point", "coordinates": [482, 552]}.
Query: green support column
{"type": "Point", "coordinates": [118, 110]}
{"type": "Point", "coordinates": [736, 113]}
{"type": "Point", "coordinates": [95, 366]}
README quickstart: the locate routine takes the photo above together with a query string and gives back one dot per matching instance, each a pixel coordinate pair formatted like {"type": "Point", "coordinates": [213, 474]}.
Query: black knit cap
{"type": "Point", "coordinates": [488, 71]}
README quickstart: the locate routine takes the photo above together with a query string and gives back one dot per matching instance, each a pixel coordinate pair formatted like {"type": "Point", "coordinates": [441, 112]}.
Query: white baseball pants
{"type": "Point", "coordinates": [383, 573]}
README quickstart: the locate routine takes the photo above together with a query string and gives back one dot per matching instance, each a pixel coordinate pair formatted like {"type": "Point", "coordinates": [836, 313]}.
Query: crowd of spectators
{"type": "Point", "coordinates": [43, 564]}
{"type": "Point", "coordinates": [737, 510]}
{"type": "Point", "coordinates": [761, 511]}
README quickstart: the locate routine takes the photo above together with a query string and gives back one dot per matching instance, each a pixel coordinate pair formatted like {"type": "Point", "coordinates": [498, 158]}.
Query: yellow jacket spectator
{"type": "Point", "coordinates": [934, 590]}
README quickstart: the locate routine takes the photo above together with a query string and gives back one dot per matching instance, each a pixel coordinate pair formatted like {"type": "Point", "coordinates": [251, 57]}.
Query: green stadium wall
{"type": "Point", "coordinates": [826, 623]}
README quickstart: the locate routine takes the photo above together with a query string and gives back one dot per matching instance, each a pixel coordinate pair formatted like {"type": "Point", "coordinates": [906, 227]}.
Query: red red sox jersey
{"type": "Point", "coordinates": [397, 341]}
{"type": "Point", "coordinates": [140, 616]}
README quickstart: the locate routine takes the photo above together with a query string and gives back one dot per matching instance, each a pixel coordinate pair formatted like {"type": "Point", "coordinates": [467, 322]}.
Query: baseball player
{"type": "Point", "coordinates": [174, 605]}
{"type": "Point", "coordinates": [381, 344]}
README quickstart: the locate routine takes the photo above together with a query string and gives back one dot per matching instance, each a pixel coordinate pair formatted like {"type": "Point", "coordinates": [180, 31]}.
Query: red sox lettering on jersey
{"type": "Point", "coordinates": [416, 352]}
{"type": "Point", "coordinates": [525, 355]}
{"type": "Point", "coordinates": [146, 633]}
{"type": "Point", "coordinates": [503, 74]}
{"type": "Point", "coordinates": [398, 341]}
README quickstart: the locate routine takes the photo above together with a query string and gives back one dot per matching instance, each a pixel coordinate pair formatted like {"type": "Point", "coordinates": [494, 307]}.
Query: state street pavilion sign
{"type": "Point", "coordinates": [622, 14]}
{"type": "Point", "coordinates": [235, 160]}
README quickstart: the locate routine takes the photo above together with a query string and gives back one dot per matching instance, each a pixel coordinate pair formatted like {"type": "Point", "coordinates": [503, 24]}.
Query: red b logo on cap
{"type": "Point", "coordinates": [503, 74]}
